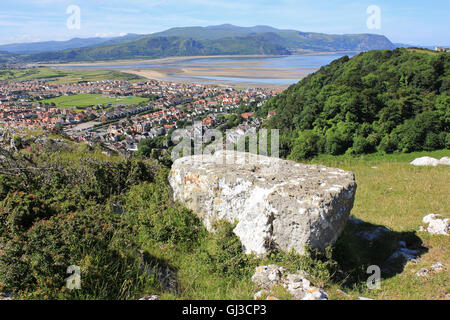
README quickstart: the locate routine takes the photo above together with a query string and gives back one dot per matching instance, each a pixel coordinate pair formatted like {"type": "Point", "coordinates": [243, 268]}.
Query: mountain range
{"type": "Point", "coordinates": [192, 41]}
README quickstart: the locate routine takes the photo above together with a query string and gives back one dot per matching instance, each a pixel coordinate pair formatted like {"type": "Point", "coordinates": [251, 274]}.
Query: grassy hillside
{"type": "Point", "coordinates": [114, 218]}
{"type": "Point", "coordinates": [288, 38]}
{"type": "Point", "coordinates": [379, 100]}
{"type": "Point", "coordinates": [159, 47]}
{"type": "Point", "coordinates": [394, 194]}
{"type": "Point", "coordinates": [64, 76]}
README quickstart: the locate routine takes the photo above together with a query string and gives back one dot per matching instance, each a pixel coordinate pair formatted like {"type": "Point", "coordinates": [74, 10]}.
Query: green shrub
{"type": "Point", "coordinates": [223, 253]}
{"type": "Point", "coordinates": [149, 207]}
{"type": "Point", "coordinates": [19, 211]}
{"type": "Point", "coordinates": [308, 145]}
{"type": "Point", "coordinates": [102, 247]}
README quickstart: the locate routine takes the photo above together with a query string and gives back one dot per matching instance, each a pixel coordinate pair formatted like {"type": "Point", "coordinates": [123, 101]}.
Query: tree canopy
{"type": "Point", "coordinates": [385, 100]}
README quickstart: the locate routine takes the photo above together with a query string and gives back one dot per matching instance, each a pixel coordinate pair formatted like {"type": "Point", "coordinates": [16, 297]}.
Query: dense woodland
{"type": "Point", "coordinates": [387, 101]}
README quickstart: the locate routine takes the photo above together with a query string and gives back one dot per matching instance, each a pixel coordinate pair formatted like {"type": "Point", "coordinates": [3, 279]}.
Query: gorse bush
{"type": "Point", "coordinates": [61, 211]}
{"type": "Point", "coordinates": [149, 207]}
{"type": "Point", "coordinates": [224, 255]}
{"type": "Point", "coordinates": [102, 248]}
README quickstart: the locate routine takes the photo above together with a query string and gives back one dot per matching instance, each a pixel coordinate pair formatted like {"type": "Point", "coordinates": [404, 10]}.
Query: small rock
{"type": "Point", "coordinates": [268, 276]}
{"type": "Point", "coordinates": [425, 161]}
{"type": "Point", "coordinates": [4, 296]}
{"type": "Point", "coordinates": [445, 161]}
{"type": "Point", "coordinates": [363, 298]}
{"type": "Point", "coordinates": [298, 286]}
{"type": "Point", "coordinates": [152, 297]}
{"type": "Point", "coordinates": [272, 298]}
{"type": "Point", "coordinates": [422, 272]}
{"type": "Point", "coordinates": [306, 283]}
{"type": "Point", "coordinates": [437, 224]}
{"type": "Point", "coordinates": [407, 254]}
{"type": "Point", "coordinates": [260, 295]}
{"type": "Point", "coordinates": [437, 267]}
{"type": "Point", "coordinates": [315, 294]}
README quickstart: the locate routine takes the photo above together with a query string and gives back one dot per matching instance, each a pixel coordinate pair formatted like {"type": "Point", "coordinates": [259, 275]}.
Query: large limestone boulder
{"type": "Point", "coordinates": [276, 203]}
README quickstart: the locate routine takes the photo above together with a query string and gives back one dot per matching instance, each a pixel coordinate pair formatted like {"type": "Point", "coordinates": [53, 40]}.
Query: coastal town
{"type": "Point", "coordinates": [120, 125]}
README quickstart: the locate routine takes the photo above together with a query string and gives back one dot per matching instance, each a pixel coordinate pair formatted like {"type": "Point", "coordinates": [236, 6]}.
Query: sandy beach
{"type": "Point", "coordinates": [237, 71]}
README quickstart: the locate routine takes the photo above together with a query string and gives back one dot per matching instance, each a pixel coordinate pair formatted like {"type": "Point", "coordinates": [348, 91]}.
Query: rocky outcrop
{"type": "Point", "coordinates": [276, 203]}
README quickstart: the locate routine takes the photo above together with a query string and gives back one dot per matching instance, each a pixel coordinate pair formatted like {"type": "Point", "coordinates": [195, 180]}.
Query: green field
{"type": "Point", "coordinates": [81, 101]}
{"type": "Point", "coordinates": [65, 76]}
{"type": "Point", "coordinates": [397, 195]}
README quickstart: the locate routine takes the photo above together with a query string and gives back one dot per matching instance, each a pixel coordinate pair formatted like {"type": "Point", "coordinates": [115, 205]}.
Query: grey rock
{"type": "Point", "coordinates": [276, 203]}
{"type": "Point", "coordinates": [296, 284]}
{"type": "Point", "coordinates": [266, 277]}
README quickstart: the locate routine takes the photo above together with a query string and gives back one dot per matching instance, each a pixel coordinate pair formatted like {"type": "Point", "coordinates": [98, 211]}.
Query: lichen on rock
{"type": "Point", "coordinates": [276, 203]}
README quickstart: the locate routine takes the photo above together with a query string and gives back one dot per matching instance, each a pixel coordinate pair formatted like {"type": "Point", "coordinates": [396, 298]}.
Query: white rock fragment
{"type": "Point", "coordinates": [261, 295]}
{"type": "Point", "coordinates": [445, 161]}
{"type": "Point", "coordinates": [315, 294]}
{"type": "Point", "coordinates": [152, 297]}
{"type": "Point", "coordinates": [425, 161]}
{"type": "Point", "coordinates": [437, 267]}
{"type": "Point", "coordinates": [423, 272]}
{"type": "Point", "coordinates": [298, 286]}
{"type": "Point", "coordinates": [437, 224]}
{"type": "Point", "coordinates": [428, 161]}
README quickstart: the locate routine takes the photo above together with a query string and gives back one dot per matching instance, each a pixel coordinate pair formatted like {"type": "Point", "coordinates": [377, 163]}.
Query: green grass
{"type": "Point", "coordinates": [80, 101]}
{"type": "Point", "coordinates": [398, 195]}
{"type": "Point", "coordinates": [427, 51]}
{"type": "Point", "coordinates": [394, 194]}
{"type": "Point", "coordinates": [65, 76]}
{"type": "Point", "coordinates": [390, 193]}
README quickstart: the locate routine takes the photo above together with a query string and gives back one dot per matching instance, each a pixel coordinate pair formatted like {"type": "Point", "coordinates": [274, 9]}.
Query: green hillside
{"type": "Point", "coordinates": [63, 204]}
{"type": "Point", "coordinates": [384, 101]}
{"type": "Point", "coordinates": [213, 40]}
{"type": "Point", "coordinates": [158, 47]}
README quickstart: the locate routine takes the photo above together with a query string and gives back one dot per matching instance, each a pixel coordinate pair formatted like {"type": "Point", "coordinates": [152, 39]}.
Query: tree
{"type": "Point", "coordinates": [308, 145]}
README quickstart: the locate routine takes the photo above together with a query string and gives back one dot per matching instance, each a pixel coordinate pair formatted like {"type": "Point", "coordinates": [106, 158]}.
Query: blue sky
{"type": "Point", "coordinates": [407, 21]}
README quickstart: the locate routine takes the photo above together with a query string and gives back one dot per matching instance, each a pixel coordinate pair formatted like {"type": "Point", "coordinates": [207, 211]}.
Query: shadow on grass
{"type": "Point", "coordinates": [363, 244]}
{"type": "Point", "coordinates": [163, 272]}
